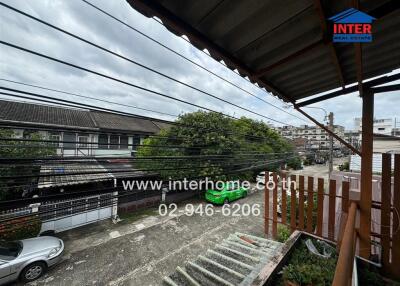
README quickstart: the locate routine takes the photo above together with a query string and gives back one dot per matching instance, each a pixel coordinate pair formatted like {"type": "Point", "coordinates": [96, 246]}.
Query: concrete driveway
{"type": "Point", "coordinates": [144, 251]}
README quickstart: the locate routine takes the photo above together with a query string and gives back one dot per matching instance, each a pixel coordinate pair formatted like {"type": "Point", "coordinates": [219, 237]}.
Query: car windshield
{"type": "Point", "coordinates": [10, 250]}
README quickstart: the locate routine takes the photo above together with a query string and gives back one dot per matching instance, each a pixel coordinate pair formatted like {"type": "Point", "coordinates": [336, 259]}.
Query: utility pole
{"type": "Point", "coordinates": [330, 117]}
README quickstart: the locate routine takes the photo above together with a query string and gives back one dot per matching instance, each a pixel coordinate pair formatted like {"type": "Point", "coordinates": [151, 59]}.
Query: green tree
{"type": "Point", "coordinates": [216, 135]}
{"type": "Point", "coordinates": [13, 188]}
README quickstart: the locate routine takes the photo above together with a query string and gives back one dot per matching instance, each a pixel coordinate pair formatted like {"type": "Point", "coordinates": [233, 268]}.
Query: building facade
{"type": "Point", "coordinates": [317, 138]}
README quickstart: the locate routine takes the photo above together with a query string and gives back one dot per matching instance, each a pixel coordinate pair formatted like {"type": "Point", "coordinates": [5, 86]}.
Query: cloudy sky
{"type": "Point", "coordinates": [81, 19]}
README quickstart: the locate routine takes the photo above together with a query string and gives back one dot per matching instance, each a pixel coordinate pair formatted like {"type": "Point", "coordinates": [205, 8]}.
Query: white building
{"type": "Point", "coordinates": [318, 138]}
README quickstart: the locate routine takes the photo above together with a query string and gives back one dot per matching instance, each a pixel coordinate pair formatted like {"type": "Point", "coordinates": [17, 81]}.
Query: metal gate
{"type": "Point", "coordinates": [63, 215]}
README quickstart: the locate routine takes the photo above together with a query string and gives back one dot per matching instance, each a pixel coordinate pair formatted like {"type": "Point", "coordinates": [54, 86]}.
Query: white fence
{"type": "Point", "coordinates": [355, 163]}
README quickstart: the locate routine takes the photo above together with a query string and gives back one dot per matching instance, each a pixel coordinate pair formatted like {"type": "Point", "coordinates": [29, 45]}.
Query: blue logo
{"type": "Point", "coordinates": [352, 26]}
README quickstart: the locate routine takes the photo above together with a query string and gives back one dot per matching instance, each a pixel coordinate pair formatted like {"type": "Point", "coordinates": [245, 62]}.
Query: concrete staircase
{"type": "Point", "coordinates": [237, 260]}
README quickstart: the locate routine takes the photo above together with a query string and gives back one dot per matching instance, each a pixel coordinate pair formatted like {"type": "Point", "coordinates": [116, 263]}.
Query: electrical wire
{"type": "Point", "coordinates": [135, 62]}
{"type": "Point", "coordinates": [191, 61]}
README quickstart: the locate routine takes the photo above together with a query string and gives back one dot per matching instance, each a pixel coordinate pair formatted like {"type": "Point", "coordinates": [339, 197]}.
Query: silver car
{"type": "Point", "coordinates": [28, 259]}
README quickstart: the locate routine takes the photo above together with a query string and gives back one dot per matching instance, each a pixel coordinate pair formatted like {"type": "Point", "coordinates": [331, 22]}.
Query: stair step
{"type": "Point", "coordinates": [205, 277]}
{"type": "Point", "coordinates": [243, 257]}
{"type": "Point", "coordinates": [232, 263]}
{"type": "Point", "coordinates": [220, 270]}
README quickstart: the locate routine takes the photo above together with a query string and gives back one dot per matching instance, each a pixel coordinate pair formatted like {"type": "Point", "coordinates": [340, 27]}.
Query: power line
{"type": "Point", "coordinates": [89, 97]}
{"type": "Point", "coordinates": [112, 111]}
{"type": "Point", "coordinates": [189, 60]}
{"type": "Point", "coordinates": [136, 63]}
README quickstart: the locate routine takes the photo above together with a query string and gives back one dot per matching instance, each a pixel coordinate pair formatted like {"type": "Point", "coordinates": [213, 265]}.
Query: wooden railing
{"type": "Point", "coordinates": [327, 220]}
{"type": "Point", "coordinates": [344, 268]}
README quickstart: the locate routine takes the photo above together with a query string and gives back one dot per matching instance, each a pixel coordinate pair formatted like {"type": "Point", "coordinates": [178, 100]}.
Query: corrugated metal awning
{"type": "Point", "coordinates": [284, 46]}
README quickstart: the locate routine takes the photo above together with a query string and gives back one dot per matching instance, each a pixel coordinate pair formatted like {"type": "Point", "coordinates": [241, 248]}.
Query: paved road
{"type": "Point", "coordinates": [144, 257]}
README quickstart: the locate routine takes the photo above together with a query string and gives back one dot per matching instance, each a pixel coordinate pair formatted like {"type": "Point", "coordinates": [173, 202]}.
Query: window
{"type": "Point", "coordinates": [135, 142]}
{"type": "Point", "coordinates": [114, 142]}
{"type": "Point", "coordinates": [103, 141]}
{"type": "Point", "coordinates": [55, 136]}
{"type": "Point", "coordinates": [123, 142]}
{"type": "Point", "coordinates": [381, 128]}
{"type": "Point", "coordinates": [69, 140]}
{"type": "Point", "coordinates": [27, 134]}
{"type": "Point", "coordinates": [83, 140]}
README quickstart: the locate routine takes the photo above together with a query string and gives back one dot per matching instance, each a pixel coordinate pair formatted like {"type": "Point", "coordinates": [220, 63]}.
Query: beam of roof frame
{"type": "Point", "coordinates": [386, 88]}
{"type": "Point", "coordinates": [182, 28]}
{"type": "Point", "coordinates": [310, 47]}
{"type": "Point", "coordinates": [328, 41]}
{"type": "Point", "coordinates": [368, 84]}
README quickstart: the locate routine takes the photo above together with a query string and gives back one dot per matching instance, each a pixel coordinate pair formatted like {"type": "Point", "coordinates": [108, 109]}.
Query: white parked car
{"type": "Point", "coordinates": [28, 259]}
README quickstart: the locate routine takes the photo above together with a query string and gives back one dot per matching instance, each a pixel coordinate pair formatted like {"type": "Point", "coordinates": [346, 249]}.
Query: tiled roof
{"type": "Point", "coordinates": [44, 114]}
{"type": "Point", "coordinates": [28, 113]}
{"type": "Point", "coordinates": [119, 122]}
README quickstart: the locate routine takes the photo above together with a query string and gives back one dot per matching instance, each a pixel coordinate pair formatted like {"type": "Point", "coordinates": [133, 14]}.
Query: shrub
{"type": "Point", "coordinates": [303, 274]}
{"type": "Point", "coordinates": [20, 228]}
{"type": "Point", "coordinates": [283, 233]}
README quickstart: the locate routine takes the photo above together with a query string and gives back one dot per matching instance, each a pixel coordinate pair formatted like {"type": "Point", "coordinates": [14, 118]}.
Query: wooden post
{"type": "Point", "coordinates": [345, 196]}
{"type": "Point", "coordinates": [275, 206]}
{"type": "Point", "coordinates": [284, 197]}
{"type": "Point", "coordinates": [293, 202]}
{"type": "Point", "coordinates": [332, 210]}
{"type": "Point", "coordinates": [346, 256]}
{"type": "Point", "coordinates": [266, 204]}
{"type": "Point", "coordinates": [366, 173]}
{"type": "Point", "coordinates": [310, 203]}
{"type": "Point", "coordinates": [396, 218]}
{"type": "Point", "coordinates": [386, 199]}
{"type": "Point", "coordinates": [301, 202]}
{"type": "Point", "coordinates": [320, 206]}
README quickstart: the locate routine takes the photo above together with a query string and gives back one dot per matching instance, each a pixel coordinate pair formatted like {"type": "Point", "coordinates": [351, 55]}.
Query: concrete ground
{"type": "Point", "coordinates": [141, 251]}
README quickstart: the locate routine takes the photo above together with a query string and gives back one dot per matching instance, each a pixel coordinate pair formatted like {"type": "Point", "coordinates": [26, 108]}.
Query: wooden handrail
{"type": "Point", "coordinates": [345, 261]}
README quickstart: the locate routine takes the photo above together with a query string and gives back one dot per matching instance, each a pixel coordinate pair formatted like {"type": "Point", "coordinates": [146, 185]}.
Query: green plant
{"type": "Point", "coordinates": [13, 188]}
{"type": "Point", "coordinates": [305, 268]}
{"type": "Point", "coordinates": [20, 228]}
{"type": "Point", "coordinates": [283, 233]}
{"type": "Point", "coordinates": [225, 137]}
{"type": "Point", "coordinates": [303, 274]}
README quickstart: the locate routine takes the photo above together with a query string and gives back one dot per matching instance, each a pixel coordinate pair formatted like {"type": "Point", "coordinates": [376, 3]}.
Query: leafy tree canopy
{"type": "Point", "coordinates": [242, 143]}
{"type": "Point", "coordinates": [13, 188]}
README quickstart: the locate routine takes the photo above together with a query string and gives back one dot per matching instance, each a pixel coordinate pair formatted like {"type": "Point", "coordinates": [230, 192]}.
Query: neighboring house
{"type": "Point", "coordinates": [86, 134]}
{"type": "Point", "coordinates": [78, 132]}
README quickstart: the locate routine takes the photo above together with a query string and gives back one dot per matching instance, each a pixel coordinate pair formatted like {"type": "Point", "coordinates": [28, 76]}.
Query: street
{"type": "Point", "coordinates": [153, 250]}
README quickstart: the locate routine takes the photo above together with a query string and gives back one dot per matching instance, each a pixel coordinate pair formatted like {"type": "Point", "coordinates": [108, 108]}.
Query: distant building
{"type": "Point", "coordinates": [383, 126]}
{"type": "Point", "coordinates": [317, 138]}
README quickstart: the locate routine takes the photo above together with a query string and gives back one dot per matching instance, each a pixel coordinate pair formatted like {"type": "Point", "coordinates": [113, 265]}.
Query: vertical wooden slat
{"type": "Point", "coordinates": [284, 197]}
{"type": "Point", "coordinates": [301, 202]}
{"type": "Point", "coordinates": [345, 196]}
{"type": "Point", "coordinates": [320, 206]}
{"type": "Point", "coordinates": [266, 204]}
{"type": "Point", "coordinates": [275, 205]}
{"type": "Point", "coordinates": [293, 202]}
{"type": "Point", "coordinates": [386, 200]}
{"type": "Point", "coordinates": [396, 218]}
{"type": "Point", "coordinates": [332, 209]}
{"type": "Point", "coordinates": [310, 203]}
{"type": "Point", "coordinates": [366, 173]}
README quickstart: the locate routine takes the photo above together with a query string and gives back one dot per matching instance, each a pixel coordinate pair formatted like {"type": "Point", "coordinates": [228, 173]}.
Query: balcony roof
{"type": "Point", "coordinates": [283, 46]}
